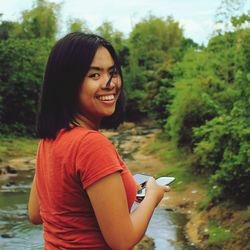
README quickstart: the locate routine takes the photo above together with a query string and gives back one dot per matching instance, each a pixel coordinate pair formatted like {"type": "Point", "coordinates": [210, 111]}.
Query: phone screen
{"type": "Point", "coordinates": [161, 181]}
{"type": "Point", "coordinates": [141, 178]}
{"type": "Point", "coordinates": [165, 180]}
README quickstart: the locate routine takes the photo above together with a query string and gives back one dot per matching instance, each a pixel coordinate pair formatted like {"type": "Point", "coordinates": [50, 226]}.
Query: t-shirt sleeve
{"type": "Point", "coordinates": [96, 158]}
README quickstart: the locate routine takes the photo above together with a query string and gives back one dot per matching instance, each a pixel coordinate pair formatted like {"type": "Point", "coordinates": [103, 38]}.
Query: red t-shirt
{"type": "Point", "coordinates": [66, 166]}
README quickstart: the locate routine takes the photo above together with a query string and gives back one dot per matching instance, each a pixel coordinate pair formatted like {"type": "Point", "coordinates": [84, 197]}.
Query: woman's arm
{"type": "Point", "coordinates": [33, 205]}
{"type": "Point", "coordinates": [121, 229]}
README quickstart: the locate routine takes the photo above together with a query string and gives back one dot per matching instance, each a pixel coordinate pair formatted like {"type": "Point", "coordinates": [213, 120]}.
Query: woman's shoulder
{"type": "Point", "coordinates": [84, 135]}
{"type": "Point", "coordinates": [95, 143]}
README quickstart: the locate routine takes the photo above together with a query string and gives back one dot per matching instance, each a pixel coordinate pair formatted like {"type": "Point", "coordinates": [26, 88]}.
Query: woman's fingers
{"type": "Point", "coordinates": [139, 187]}
{"type": "Point", "coordinates": [167, 188]}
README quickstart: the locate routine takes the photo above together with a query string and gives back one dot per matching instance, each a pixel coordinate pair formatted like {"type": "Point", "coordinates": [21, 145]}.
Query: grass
{"type": "Point", "coordinates": [246, 214]}
{"type": "Point", "coordinates": [217, 234]}
{"type": "Point", "coordinates": [204, 203]}
{"type": "Point", "coordinates": [13, 147]}
{"type": "Point", "coordinates": [178, 163]}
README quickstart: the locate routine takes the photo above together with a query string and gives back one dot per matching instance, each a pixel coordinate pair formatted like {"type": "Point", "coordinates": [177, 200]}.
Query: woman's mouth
{"type": "Point", "coordinates": [106, 97]}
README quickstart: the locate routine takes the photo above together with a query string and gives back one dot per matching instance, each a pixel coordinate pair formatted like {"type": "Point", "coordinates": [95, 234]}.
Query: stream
{"type": "Point", "coordinates": [16, 232]}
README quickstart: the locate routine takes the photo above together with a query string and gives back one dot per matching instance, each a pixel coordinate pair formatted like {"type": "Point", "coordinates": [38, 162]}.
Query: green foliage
{"type": "Point", "coordinates": [17, 147]}
{"type": "Point", "coordinates": [76, 24]}
{"type": "Point", "coordinates": [116, 38]}
{"type": "Point", "coordinates": [151, 41]}
{"type": "Point", "coordinates": [226, 12]}
{"type": "Point", "coordinates": [154, 46]}
{"type": "Point", "coordinates": [223, 143]}
{"type": "Point", "coordinates": [224, 151]}
{"type": "Point", "coordinates": [238, 22]}
{"type": "Point", "coordinates": [209, 114]}
{"type": "Point", "coordinates": [213, 139]}
{"type": "Point", "coordinates": [22, 66]}
{"type": "Point", "coordinates": [133, 109]}
{"type": "Point", "coordinates": [152, 35]}
{"type": "Point", "coordinates": [201, 93]}
{"type": "Point", "coordinates": [191, 108]}
{"type": "Point", "coordinates": [234, 169]}
{"type": "Point", "coordinates": [218, 235]}
{"type": "Point", "coordinates": [177, 162]}
{"type": "Point", "coordinates": [8, 29]}
{"type": "Point", "coordinates": [40, 21]}
{"type": "Point", "coordinates": [204, 203]}
{"type": "Point", "coordinates": [246, 214]}
{"type": "Point", "coordinates": [158, 88]}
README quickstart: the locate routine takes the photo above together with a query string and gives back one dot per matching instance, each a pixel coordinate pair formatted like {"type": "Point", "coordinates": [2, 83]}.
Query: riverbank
{"type": "Point", "coordinates": [210, 226]}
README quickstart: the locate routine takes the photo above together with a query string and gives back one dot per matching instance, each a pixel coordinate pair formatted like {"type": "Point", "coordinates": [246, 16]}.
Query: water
{"type": "Point", "coordinates": [167, 230]}
{"type": "Point", "coordinates": [15, 229]}
{"type": "Point", "coordinates": [166, 227]}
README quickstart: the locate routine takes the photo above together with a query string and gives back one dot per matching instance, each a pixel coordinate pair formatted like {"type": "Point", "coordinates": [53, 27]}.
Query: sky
{"type": "Point", "coordinates": [196, 17]}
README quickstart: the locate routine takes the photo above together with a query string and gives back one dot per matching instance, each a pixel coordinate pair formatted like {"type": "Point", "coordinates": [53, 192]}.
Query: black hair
{"type": "Point", "coordinates": [67, 65]}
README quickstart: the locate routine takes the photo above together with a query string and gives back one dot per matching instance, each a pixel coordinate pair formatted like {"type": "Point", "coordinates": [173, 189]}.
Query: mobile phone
{"type": "Point", "coordinates": [164, 181]}
{"type": "Point", "coordinates": [141, 179]}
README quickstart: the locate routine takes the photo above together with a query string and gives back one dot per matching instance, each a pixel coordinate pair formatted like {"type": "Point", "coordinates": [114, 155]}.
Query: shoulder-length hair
{"type": "Point", "coordinates": [67, 65]}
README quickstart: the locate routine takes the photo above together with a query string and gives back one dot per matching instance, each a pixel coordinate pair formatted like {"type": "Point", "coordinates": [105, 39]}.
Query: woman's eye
{"type": "Point", "coordinates": [94, 75]}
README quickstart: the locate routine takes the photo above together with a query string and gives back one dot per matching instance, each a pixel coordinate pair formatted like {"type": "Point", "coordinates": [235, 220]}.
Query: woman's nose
{"type": "Point", "coordinates": [109, 82]}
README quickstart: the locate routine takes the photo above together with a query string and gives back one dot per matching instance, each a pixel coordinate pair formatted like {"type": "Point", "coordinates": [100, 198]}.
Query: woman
{"type": "Point", "coordinates": [82, 191]}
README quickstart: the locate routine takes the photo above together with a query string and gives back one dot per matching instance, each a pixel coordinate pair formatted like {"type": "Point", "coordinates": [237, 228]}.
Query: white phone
{"type": "Point", "coordinates": [164, 181]}
{"type": "Point", "coordinates": [141, 179]}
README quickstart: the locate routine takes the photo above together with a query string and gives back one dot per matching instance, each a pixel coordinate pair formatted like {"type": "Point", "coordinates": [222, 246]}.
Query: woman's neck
{"type": "Point", "coordinates": [84, 122]}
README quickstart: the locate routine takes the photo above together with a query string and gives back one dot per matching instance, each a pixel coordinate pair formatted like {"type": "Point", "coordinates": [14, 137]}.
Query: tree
{"type": "Point", "coordinates": [8, 29]}
{"type": "Point", "coordinates": [41, 21]}
{"type": "Point", "coordinates": [117, 39]}
{"type": "Point", "coordinates": [154, 44]}
{"type": "Point", "coordinates": [22, 65]}
{"type": "Point", "coordinates": [238, 22]}
{"type": "Point", "coordinates": [158, 94]}
{"type": "Point", "coordinates": [210, 113]}
{"type": "Point", "coordinates": [227, 10]}
{"type": "Point", "coordinates": [76, 24]}
{"type": "Point", "coordinates": [152, 39]}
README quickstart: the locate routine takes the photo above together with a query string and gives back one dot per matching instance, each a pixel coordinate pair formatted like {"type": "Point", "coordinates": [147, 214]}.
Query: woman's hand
{"type": "Point", "coordinates": [155, 190]}
{"type": "Point", "coordinates": [139, 187]}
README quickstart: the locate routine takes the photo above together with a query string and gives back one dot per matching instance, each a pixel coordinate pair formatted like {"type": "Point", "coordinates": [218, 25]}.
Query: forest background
{"type": "Point", "coordinates": [199, 96]}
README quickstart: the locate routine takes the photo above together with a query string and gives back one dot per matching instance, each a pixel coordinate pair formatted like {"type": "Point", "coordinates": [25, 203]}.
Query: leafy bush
{"type": "Point", "coordinates": [213, 138]}
{"type": "Point", "coordinates": [224, 148]}
{"type": "Point", "coordinates": [191, 108]}
{"type": "Point", "coordinates": [234, 173]}
{"type": "Point", "coordinates": [22, 66]}
{"type": "Point", "coordinates": [159, 95]}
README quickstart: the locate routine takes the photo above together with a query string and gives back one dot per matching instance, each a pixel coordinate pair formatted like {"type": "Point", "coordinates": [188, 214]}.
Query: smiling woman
{"type": "Point", "coordinates": [82, 190]}
{"type": "Point", "coordinates": [100, 89]}
{"type": "Point", "coordinates": [77, 64]}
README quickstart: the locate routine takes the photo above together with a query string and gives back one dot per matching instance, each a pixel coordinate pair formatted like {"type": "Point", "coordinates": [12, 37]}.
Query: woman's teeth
{"type": "Point", "coordinates": [106, 97]}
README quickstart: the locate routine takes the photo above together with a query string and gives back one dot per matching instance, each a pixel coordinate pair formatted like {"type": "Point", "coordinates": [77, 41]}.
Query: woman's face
{"type": "Point", "coordinates": [97, 98]}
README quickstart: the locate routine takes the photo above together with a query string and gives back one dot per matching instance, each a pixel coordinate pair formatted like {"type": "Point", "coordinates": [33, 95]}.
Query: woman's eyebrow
{"type": "Point", "coordinates": [101, 69]}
